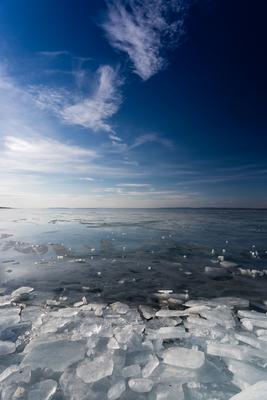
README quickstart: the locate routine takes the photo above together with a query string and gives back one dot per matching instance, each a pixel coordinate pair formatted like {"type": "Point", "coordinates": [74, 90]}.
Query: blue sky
{"type": "Point", "coordinates": [132, 103]}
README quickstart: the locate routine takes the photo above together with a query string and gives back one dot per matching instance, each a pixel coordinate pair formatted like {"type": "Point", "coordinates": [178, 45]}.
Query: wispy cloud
{"type": "Point", "coordinates": [38, 154]}
{"type": "Point", "coordinates": [87, 111]}
{"type": "Point", "coordinates": [53, 53]}
{"type": "Point", "coordinates": [143, 29]}
{"type": "Point", "coordinates": [94, 112]}
{"type": "Point", "coordinates": [134, 185]}
{"type": "Point", "coordinates": [29, 139]}
{"type": "Point", "coordinates": [87, 178]}
{"type": "Point", "coordinates": [151, 138]}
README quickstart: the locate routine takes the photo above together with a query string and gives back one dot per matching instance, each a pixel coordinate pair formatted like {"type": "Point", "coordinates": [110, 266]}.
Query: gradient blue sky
{"type": "Point", "coordinates": [133, 103]}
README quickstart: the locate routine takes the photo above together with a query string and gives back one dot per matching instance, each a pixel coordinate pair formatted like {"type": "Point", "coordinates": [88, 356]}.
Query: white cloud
{"type": "Point", "coordinates": [37, 154]}
{"type": "Point", "coordinates": [54, 53]}
{"type": "Point", "coordinates": [87, 178]}
{"type": "Point", "coordinates": [133, 185]}
{"type": "Point", "coordinates": [142, 29]}
{"type": "Point", "coordinates": [151, 138]}
{"type": "Point", "coordinates": [92, 111]}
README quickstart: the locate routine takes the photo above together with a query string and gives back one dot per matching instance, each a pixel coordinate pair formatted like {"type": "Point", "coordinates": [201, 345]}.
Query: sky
{"type": "Point", "coordinates": [133, 103]}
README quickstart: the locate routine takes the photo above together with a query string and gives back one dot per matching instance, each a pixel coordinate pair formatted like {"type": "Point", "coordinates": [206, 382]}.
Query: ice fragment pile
{"type": "Point", "coordinates": [198, 350]}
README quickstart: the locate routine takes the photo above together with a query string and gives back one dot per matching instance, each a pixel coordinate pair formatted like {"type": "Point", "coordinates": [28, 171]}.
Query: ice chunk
{"type": "Point", "coordinates": [113, 344]}
{"type": "Point", "coordinates": [7, 347]}
{"type": "Point", "coordinates": [197, 309]}
{"type": "Point", "coordinates": [123, 335]}
{"type": "Point", "coordinates": [258, 323]}
{"type": "Point", "coordinates": [226, 301]}
{"type": "Point", "coordinates": [168, 332]}
{"type": "Point", "coordinates": [146, 312]}
{"type": "Point", "coordinates": [80, 303]}
{"type": "Point", "coordinates": [204, 332]}
{"type": "Point", "coordinates": [157, 323]}
{"type": "Point", "coordinates": [235, 351]}
{"type": "Point", "coordinates": [140, 385]}
{"type": "Point", "coordinates": [183, 357]}
{"type": "Point", "coordinates": [150, 367]}
{"type": "Point", "coordinates": [173, 302]}
{"type": "Point", "coordinates": [245, 374]}
{"type": "Point", "coordinates": [252, 314]}
{"type": "Point", "coordinates": [254, 392]}
{"type": "Point", "coordinates": [117, 390]}
{"type": "Point", "coordinates": [168, 392]}
{"type": "Point", "coordinates": [228, 264]}
{"type": "Point", "coordinates": [208, 391]}
{"type": "Point", "coordinates": [31, 313]}
{"type": "Point", "coordinates": [21, 293]}
{"type": "Point", "coordinates": [92, 371]}
{"type": "Point", "coordinates": [15, 374]}
{"type": "Point", "coordinates": [221, 315]}
{"type": "Point", "coordinates": [171, 313]}
{"type": "Point", "coordinates": [165, 291]}
{"type": "Point", "coordinates": [55, 324]}
{"type": "Point", "coordinates": [5, 300]}
{"type": "Point", "coordinates": [246, 323]}
{"type": "Point", "coordinates": [133, 370]}
{"type": "Point", "coordinates": [248, 338]}
{"type": "Point", "coordinates": [96, 307]}
{"type": "Point", "coordinates": [12, 392]}
{"type": "Point", "coordinates": [201, 322]}
{"type": "Point", "coordinates": [119, 308]}
{"type": "Point", "coordinates": [56, 355]}
{"type": "Point", "coordinates": [215, 272]}
{"type": "Point", "coordinates": [42, 390]}
{"type": "Point", "coordinates": [169, 374]}
{"type": "Point", "coordinates": [8, 317]}
{"type": "Point", "coordinates": [73, 387]}
{"type": "Point", "coordinates": [261, 332]}
{"type": "Point", "coordinates": [19, 393]}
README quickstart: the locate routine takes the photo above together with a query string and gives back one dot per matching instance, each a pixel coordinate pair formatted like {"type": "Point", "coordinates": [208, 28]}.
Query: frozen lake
{"type": "Point", "coordinates": [129, 254]}
{"type": "Point", "coordinates": [133, 304]}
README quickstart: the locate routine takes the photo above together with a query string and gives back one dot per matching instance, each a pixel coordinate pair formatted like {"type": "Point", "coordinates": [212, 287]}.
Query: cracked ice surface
{"type": "Point", "coordinates": [200, 350]}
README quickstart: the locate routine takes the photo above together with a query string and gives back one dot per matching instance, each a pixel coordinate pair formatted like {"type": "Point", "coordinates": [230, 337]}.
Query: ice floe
{"type": "Point", "coordinates": [202, 349]}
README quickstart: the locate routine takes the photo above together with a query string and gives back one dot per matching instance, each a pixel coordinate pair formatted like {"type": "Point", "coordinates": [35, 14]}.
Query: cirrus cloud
{"type": "Point", "coordinates": [142, 29]}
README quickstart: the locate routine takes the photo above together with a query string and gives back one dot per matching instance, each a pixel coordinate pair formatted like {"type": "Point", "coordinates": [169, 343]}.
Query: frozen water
{"type": "Point", "coordinates": [9, 317]}
{"type": "Point", "coordinates": [245, 374]}
{"type": "Point", "coordinates": [119, 308]}
{"type": "Point", "coordinates": [116, 354]}
{"type": "Point", "coordinates": [220, 315]}
{"type": "Point", "coordinates": [15, 374]}
{"type": "Point", "coordinates": [42, 390]}
{"type": "Point", "coordinates": [235, 351]}
{"type": "Point", "coordinates": [140, 385]}
{"type": "Point", "coordinates": [56, 355]}
{"type": "Point", "coordinates": [7, 347]}
{"type": "Point", "coordinates": [21, 293]}
{"type": "Point", "coordinates": [146, 312]}
{"type": "Point", "coordinates": [168, 392]}
{"type": "Point", "coordinates": [168, 332]}
{"type": "Point", "coordinates": [170, 313]}
{"type": "Point", "coordinates": [131, 322]}
{"type": "Point", "coordinates": [150, 366]}
{"type": "Point", "coordinates": [131, 371]}
{"type": "Point", "coordinates": [116, 390]}
{"type": "Point", "coordinates": [183, 357]}
{"type": "Point", "coordinates": [92, 371]}
{"type": "Point", "coordinates": [254, 392]}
